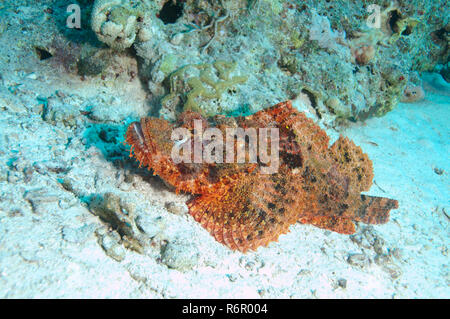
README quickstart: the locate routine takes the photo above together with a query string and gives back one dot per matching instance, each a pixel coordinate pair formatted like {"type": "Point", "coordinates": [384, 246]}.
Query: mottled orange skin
{"type": "Point", "coordinates": [243, 208]}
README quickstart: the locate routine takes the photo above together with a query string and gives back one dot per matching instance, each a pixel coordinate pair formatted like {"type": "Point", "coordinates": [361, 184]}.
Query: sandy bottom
{"type": "Point", "coordinates": [60, 148]}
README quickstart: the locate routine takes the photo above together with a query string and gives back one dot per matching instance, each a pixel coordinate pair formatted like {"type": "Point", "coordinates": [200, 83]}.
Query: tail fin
{"type": "Point", "coordinates": [375, 210]}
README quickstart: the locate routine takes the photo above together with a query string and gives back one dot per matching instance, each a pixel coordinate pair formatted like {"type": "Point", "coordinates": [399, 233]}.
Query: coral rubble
{"type": "Point", "coordinates": [281, 46]}
{"type": "Point", "coordinates": [117, 22]}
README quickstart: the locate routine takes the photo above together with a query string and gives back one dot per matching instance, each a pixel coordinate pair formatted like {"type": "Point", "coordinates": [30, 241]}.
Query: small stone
{"type": "Point", "coordinates": [342, 283]}
{"type": "Point", "coordinates": [412, 93]}
{"type": "Point", "coordinates": [56, 166]}
{"type": "Point", "coordinates": [60, 94]}
{"type": "Point", "coordinates": [145, 35]}
{"type": "Point", "coordinates": [181, 256]}
{"type": "Point", "coordinates": [379, 246]}
{"type": "Point", "coordinates": [358, 260]}
{"type": "Point", "coordinates": [39, 198]}
{"type": "Point", "coordinates": [149, 225]}
{"type": "Point", "coordinates": [364, 54]}
{"type": "Point", "coordinates": [393, 270]}
{"type": "Point", "coordinates": [32, 76]}
{"type": "Point", "coordinates": [304, 272]}
{"type": "Point", "coordinates": [114, 211]}
{"type": "Point", "coordinates": [250, 266]}
{"type": "Point", "coordinates": [16, 212]}
{"type": "Point", "coordinates": [396, 253]}
{"type": "Point", "coordinates": [177, 38]}
{"type": "Point", "coordinates": [60, 113]}
{"type": "Point", "coordinates": [176, 208]}
{"type": "Point", "coordinates": [357, 239]}
{"type": "Point", "coordinates": [382, 259]}
{"type": "Point", "coordinates": [14, 177]}
{"type": "Point", "coordinates": [111, 244]}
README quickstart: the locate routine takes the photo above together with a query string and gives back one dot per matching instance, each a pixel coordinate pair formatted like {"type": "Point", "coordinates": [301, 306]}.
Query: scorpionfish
{"type": "Point", "coordinates": [244, 208]}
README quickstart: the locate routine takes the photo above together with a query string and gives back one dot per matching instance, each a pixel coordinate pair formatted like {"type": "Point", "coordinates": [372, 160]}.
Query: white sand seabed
{"type": "Point", "coordinates": [48, 246]}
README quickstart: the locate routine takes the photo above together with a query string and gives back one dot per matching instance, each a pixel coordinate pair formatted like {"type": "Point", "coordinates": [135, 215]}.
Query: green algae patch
{"type": "Point", "coordinates": [198, 83]}
{"type": "Point", "coordinates": [168, 64]}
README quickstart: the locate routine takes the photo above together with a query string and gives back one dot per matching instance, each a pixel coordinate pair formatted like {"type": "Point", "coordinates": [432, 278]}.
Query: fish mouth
{"type": "Point", "coordinates": [137, 128]}
{"type": "Point", "coordinates": [135, 136]}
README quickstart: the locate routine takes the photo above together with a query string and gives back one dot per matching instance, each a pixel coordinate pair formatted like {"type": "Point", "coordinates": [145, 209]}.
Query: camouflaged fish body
{"type": "Point", "coordinates": [243, 208]}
